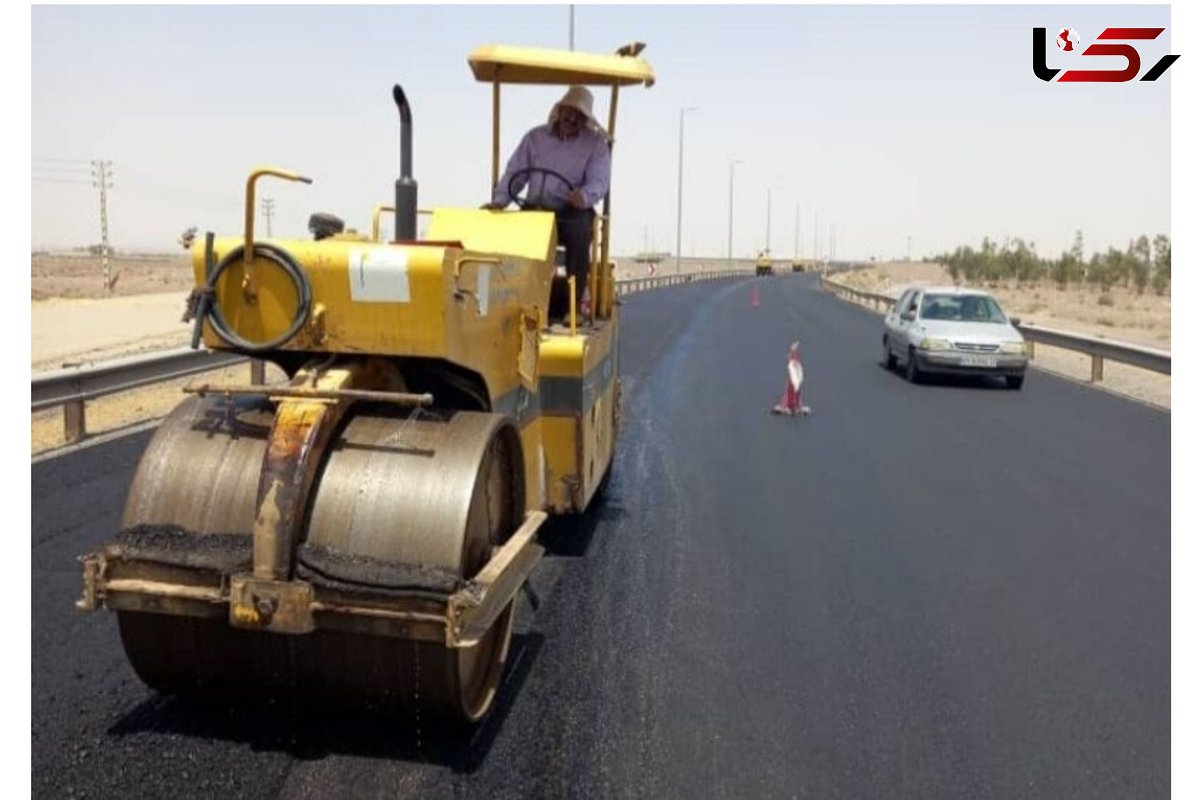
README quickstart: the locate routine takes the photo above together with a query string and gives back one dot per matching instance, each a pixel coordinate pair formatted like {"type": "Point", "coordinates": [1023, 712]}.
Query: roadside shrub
{"type": "Point", "coordinates": [1105, 299]}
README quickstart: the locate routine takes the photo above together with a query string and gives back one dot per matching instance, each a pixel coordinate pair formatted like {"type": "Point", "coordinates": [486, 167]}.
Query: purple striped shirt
{"type": "Point", "coordinates": [584, 160]}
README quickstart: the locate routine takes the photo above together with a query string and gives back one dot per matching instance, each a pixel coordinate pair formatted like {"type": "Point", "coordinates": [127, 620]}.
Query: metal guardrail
{"type": "Point", "coordinates": [1099, 349]}
{"type": "Point", "coordinates": [877, 301]}
{"type": "Point", "coordinates": [72, 387]}
{"type": "Point", "coordinates": [633, 285]}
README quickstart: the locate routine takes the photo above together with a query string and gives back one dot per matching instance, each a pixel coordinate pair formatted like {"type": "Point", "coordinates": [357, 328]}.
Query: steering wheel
{"type": "Point", "coordinates": [526, 204]}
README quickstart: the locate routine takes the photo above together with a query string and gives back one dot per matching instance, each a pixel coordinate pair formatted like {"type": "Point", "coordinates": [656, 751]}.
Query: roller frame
{"type": "Point", "coordinates": [456, 620]}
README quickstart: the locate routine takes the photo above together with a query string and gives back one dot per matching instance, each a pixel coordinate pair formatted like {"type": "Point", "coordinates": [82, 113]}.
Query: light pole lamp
{"type": "Point", "coordinates": [679, 204]}
{"type": "Point", "coordinates": [732, 164]}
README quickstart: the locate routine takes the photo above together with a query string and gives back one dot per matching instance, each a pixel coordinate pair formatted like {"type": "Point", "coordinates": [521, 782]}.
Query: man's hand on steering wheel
{"type": "Point", "coordinates": [525, 204]}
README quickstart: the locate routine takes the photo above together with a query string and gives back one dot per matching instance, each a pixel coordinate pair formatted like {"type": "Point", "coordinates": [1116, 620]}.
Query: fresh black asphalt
{"type": "Point", "coordinates": [941, 591]}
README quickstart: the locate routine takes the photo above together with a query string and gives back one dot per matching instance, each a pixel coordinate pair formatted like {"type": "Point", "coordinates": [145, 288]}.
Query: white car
{"type": "Point", "coordinates": [951, 330]}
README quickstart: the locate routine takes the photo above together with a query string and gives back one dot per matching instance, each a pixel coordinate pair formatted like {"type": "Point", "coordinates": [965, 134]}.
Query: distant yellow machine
{"type": "Point", "coordinates": [764, 265]}
{"type": "Point", "coordinates": [358, 534]}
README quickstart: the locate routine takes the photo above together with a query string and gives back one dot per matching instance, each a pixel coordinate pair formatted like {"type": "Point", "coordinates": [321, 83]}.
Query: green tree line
{"type": "Point", "coordinates": [1144, 264]}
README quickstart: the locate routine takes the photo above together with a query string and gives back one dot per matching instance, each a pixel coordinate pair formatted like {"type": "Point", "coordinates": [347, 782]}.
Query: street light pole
{"type": "Point", "coordinates": [679, 205]}
{"type": "Point", "coordinates": [732, 164]}
{"type": "Point", "coordinates": [816, 240]}
{"type": "Point", "coordinates": [796, 248]}
{"type": "Point", "coordinates": [769, 219]}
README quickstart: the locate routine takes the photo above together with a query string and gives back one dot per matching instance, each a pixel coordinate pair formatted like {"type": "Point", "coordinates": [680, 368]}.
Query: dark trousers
{"type": "Point", "coordinates": [575, 234]}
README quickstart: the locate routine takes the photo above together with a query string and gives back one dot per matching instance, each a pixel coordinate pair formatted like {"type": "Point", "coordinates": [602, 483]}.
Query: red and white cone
{"type": "Point", "coordinates": [792, 403]}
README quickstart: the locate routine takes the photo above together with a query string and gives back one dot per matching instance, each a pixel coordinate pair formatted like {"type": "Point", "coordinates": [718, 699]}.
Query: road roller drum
{"type": "Point", "coordinates": [440, 491]}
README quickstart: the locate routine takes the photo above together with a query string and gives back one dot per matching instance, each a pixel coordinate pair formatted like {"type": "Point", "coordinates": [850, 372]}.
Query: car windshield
{"type": "Point", "coordinates": [961, 308]}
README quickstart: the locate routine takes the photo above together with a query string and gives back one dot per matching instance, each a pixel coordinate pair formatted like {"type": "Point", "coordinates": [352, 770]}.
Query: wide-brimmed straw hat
{"type": "Point", "coordinates": [580, 99]}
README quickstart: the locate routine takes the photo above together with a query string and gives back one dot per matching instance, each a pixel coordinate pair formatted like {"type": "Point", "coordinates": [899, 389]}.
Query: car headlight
{"type": "Point", "coordinates": [935, 344]}
{"type": "Point", "coordinates": [1013, 348]}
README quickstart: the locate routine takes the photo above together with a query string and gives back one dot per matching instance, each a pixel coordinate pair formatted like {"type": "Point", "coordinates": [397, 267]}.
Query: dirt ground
{"type": "Point", "coordinates": [76, 321]}
{"type": "Point", "coordinates": [80, 276]}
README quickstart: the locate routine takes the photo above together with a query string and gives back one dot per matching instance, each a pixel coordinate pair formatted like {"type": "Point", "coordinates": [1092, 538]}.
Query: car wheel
{"type": "Point", "coordinates": [889, 358]}
{"type": "Point", "coordinates": [1014, 381]}
{"type": "Point", "coordinates": [911, 370]}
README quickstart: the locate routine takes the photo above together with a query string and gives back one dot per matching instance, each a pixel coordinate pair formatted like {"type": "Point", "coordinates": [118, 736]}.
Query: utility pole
{"type": "Point", "coordinates": [679, 205]}
{"type": "Point", "coordinates": [268, 209]}
{"type": "Point", "coordinates": [101, 175]}
{"type": "Point", "coordinates": [97, 173]}
{"type": "Point", "coordinates": [571, 41]}
{"type": "Point", "coordinates": [816, 240]}
{"type": "Point", "coordinates": [909, 249]}
{"type": "Point", "coordinates": [796, 249]}
{"type": "Point", "coordinates": [729, 254]}
{"type": "Point", "coordinates": [768, 248]}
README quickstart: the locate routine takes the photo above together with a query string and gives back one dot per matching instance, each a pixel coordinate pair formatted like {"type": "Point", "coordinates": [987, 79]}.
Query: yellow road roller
{"type": "Point", "coordinates": [764, 265]}
{"type": "Point", "coordinates": [358, 533]}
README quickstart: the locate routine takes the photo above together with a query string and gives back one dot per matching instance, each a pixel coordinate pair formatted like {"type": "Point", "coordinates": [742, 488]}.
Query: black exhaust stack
{"type": "Point", "coordinates": [406, 187]}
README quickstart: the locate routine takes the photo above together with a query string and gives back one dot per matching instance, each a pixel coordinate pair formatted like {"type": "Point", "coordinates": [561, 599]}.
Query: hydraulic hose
{"type": "Point", "coordinates": [205, 306]}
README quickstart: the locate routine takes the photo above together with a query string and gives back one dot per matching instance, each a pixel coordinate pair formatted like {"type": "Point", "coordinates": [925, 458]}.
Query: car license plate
{"type": "Point", "coordinates": [978, 361]}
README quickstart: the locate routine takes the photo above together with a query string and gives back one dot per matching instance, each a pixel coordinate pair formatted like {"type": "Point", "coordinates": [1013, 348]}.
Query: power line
{"type": "Point", "coordinates": [62, 160]}
{"type": "Point", "coordinates": [97, 173]}
{"type": "Point", "coordinates": [82, 181]}
{"type": "Point", "coordinates": [60, 170]}
{"type": "Point", "coordinates": [56, 168]}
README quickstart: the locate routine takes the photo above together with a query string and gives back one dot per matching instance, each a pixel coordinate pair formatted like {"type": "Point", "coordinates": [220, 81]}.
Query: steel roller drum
{"type": "Point", "coordinates": [438, 489]}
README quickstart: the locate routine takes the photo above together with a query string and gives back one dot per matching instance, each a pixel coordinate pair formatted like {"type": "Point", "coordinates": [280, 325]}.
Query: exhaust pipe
{"type": "Point", "coordinates": [406, 187]}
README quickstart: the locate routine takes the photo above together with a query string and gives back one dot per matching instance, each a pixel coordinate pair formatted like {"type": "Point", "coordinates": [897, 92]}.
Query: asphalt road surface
{"type": "Point", "coordinates": [940, 591]}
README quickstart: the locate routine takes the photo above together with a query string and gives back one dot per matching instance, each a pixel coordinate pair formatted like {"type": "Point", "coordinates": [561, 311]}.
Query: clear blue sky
{"type": "Point", "coordinates": [886, 121]}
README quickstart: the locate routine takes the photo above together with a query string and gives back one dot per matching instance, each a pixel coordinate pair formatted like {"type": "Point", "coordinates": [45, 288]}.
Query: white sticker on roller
{"type": "Point", "coordinates": [481, 289]}
{"type": "Point", "coordinates": [379, 275]}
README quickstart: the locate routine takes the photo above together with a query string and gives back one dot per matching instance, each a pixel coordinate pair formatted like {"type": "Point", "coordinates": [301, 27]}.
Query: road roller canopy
{"type": "Point", "coordinates": [501, 64]}
{"type": "Point", "coordinates": [507, 64]}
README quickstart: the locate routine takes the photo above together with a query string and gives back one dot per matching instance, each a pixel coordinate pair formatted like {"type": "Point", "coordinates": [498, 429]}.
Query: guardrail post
{"type": "Point", "coordinates": [258, 371]}
{"type": "Point", "coordinates": [74, 421]}
{"type": "Point", "coordinates": [1097, 369]}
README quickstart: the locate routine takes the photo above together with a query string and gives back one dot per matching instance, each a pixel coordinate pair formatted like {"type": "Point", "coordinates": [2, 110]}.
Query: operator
{"type": "Point", "coordinates": [575, 146]}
